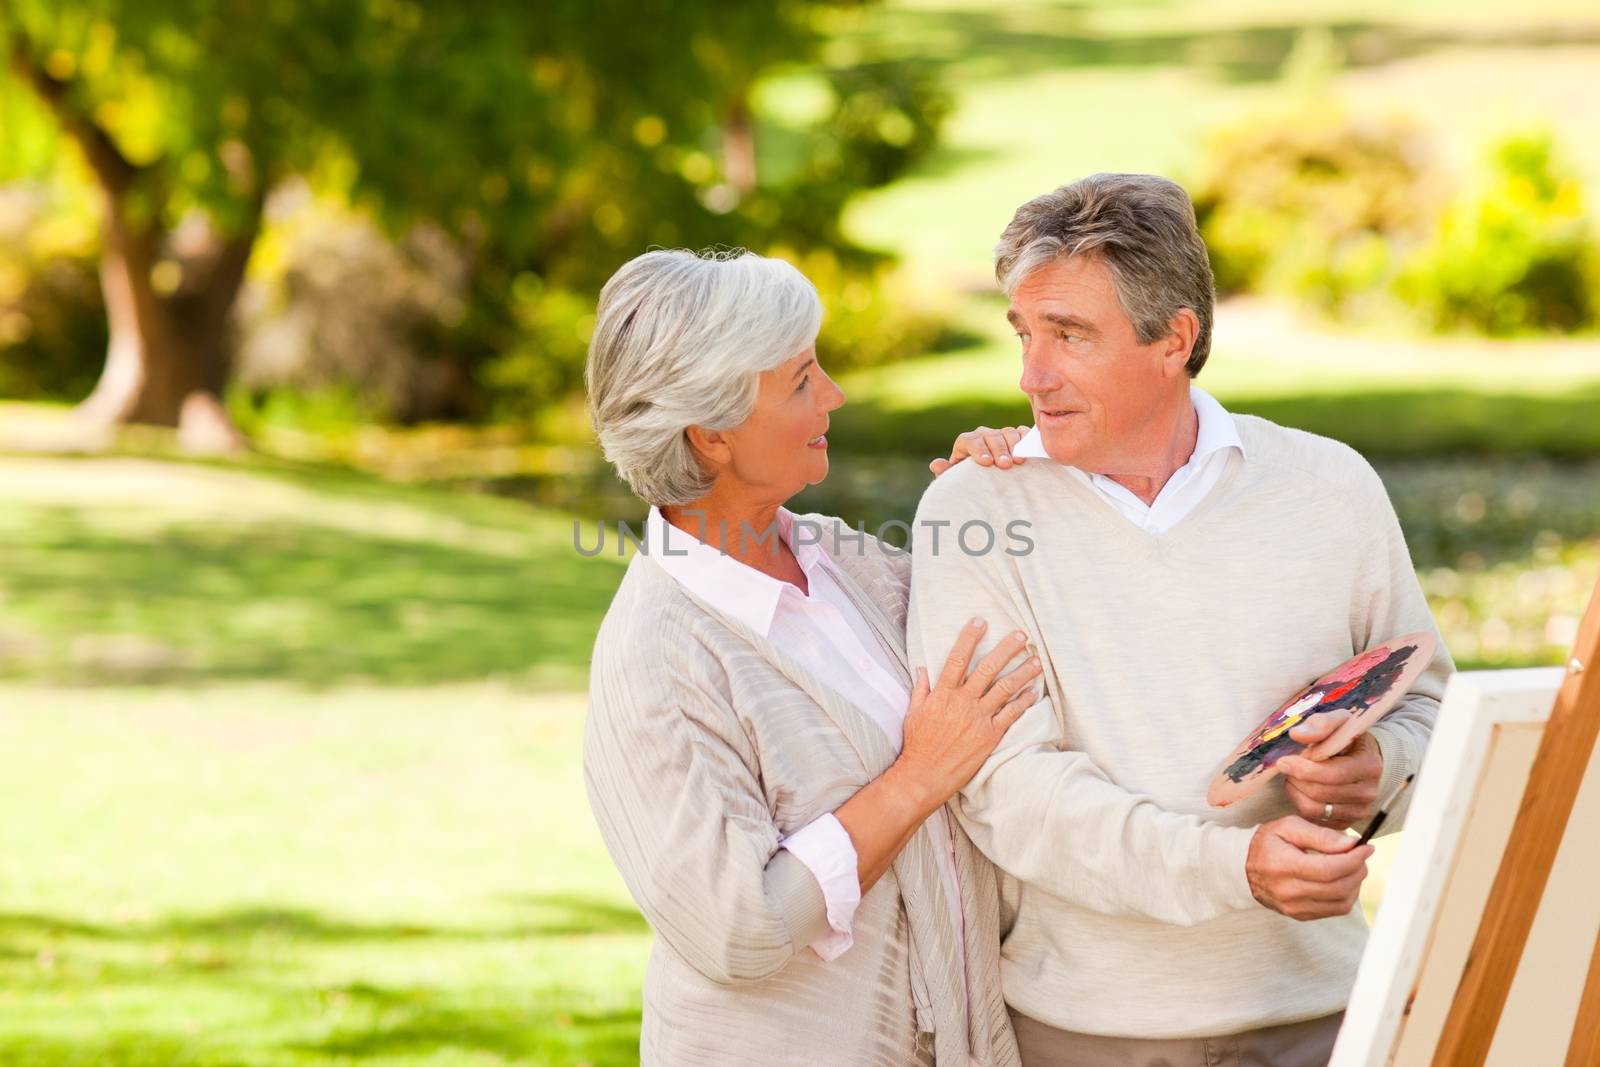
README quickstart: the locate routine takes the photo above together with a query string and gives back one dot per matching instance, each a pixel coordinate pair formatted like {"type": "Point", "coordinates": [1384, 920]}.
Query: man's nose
{"type": "Point", "coordinates": [1037, 375]}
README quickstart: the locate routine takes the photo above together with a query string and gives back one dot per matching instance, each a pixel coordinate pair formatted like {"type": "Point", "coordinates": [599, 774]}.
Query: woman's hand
{"type": "Point", "coordinates": [952, 727]}
{"type": "Point", "coordinates": [991, 448]}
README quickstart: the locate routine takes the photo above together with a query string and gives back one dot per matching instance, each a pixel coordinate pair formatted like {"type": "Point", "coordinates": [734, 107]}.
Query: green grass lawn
{"type": "Point", "coordinates": [256, 874]}
{"type": "Point", "coordinates": [294, 755]}
{"type": "Point", "coordinates": [132, 569]}
{"type": "Point", "coordinates": [293, 776]}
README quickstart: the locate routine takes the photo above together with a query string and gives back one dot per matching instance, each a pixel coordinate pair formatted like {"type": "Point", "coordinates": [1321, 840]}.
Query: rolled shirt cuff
{"type": "Point", "coordinates": [829, 854]}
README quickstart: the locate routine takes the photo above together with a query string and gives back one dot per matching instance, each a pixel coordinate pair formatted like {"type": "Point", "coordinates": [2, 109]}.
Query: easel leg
{"type": "Point", "coordinates": [1558, 770]}
{"type": "Point", "coordinates": [1585, 1048]}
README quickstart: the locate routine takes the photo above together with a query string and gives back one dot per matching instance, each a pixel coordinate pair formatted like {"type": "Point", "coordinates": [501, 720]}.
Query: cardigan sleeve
{"type": "Point", "coordinates": [675, 792]}
{"type": "Point", "coordinates": [824, 846]}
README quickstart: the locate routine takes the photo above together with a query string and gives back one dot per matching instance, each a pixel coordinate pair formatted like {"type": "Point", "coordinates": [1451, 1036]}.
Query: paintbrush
{"type": "Point", "coordinates": [1383, 811]}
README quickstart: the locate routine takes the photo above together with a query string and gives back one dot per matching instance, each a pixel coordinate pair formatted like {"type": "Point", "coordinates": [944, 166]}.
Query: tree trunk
{"type": "Point", "coordinates": [166, 363]}
{"type": "Point", "coordinates": [739, 145]}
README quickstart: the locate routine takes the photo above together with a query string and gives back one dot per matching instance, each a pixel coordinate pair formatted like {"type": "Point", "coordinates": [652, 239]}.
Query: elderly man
{"type": "Point", "coordinates": [1191, 569]}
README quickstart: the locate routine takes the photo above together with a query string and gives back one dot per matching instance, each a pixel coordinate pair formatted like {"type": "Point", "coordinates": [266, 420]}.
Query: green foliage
{"type": "Point", "coordinates": [1514, 254]}
{"type": "Point", "coordinates": [1341, 214]}
{"type": "Point", "coordinates": [886, 118]}
{"type": "Point", "coordinates": [1311, 203]}
{"type": "Point", "coordinates": [550, 143]}
{"type": "Point", "coordinates": [322, 411]}
{"type": "Point", "coordinates": [52, 327]}
{"type": "Point", "coordinates": [871, 315]}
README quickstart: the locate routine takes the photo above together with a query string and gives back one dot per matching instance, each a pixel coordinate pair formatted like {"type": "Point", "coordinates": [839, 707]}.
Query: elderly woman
{"type": "Point", "coordinates": [765, 773]}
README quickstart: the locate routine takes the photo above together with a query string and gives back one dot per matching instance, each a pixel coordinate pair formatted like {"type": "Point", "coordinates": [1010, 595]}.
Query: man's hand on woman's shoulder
{"type": "Point", "coordinates": [990, 447]}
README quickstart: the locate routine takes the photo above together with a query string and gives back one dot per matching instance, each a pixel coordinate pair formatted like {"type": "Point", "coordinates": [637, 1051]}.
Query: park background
{"type": "Point", "coordinates": [293, 634]}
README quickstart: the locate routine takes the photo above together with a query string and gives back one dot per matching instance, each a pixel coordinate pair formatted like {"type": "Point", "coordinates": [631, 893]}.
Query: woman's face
{"type": "Point", "coordinates": [782, 447]}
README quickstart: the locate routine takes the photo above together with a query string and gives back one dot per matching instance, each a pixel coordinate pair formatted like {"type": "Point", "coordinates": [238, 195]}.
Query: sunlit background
{"type": "Point", "coordinates": [293, 637]}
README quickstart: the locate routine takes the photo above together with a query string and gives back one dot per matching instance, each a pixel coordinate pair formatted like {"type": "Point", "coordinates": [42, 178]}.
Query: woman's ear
{"type": "Point", "coordinates": [712, 446]}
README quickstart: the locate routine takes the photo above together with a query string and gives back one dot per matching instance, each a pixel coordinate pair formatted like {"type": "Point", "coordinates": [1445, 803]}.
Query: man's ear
{"type": "Point", "coordinates": [1182, 332]}
{"type": "Point", "coordinates": [711, 446]}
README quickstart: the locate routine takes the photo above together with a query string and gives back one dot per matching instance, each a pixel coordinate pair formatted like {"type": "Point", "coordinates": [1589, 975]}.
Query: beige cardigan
{"type": "Point", "coordinates": [705, 744]}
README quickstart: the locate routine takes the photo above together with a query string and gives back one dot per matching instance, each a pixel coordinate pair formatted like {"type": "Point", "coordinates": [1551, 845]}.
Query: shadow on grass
{"type": "Point", "coordinates": [216, 600]}
{"type": "Point", "coordinates": [1003, 42]}
{"type": "Point", "coordinates": [374, 1024]}
{"type": "Point", "coordinates": [550, 915]}
{"type": "Point", "coordinates": [408, 1022]}
{"type": "Point", "coordinates": [251, 986]}
{"type": "Point", "coordinates": [104, 1050]}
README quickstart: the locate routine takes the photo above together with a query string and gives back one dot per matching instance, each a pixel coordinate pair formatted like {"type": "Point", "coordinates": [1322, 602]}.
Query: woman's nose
{"type": "Point", "coordinates": [835, 396]}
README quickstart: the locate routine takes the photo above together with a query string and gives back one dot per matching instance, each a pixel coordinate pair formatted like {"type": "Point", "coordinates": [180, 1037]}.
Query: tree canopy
{"type": "Point", "coordinates": [551, 141]}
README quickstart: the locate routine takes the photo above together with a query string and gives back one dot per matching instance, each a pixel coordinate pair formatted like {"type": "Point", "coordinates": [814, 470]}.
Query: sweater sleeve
{"type": "Point", "coordinates": [1387, 601]}
{"type": "Point", "coordinates": [1045, 814]}
{"type": "Point", "coordinates": [680, 808]}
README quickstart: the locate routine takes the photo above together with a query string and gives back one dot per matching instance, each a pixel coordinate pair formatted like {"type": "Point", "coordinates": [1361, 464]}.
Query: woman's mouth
{"type": "Point", "coordinates": [819, 441]}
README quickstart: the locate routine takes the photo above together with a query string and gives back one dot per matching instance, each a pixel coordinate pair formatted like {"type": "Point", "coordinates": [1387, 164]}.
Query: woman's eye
{"type": "Point", "coordinates": [803, 382]}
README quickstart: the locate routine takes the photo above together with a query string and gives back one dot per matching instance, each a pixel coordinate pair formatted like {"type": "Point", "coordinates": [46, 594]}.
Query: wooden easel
{"type": "Point", "coordinates": [1558, 769]}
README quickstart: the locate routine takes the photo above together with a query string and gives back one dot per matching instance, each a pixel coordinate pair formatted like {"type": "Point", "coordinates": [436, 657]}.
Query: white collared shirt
{"type": "Point", "coordinates": [1188, 485]}
{"type": "Point", "coordinates": [826, 633]}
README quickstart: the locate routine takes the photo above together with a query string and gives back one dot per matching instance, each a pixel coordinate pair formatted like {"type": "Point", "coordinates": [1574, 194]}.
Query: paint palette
{"type": "Point", "coordinates": [1366, 686]}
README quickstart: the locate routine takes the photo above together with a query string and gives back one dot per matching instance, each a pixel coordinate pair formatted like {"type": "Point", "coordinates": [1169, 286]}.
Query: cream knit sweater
{"type": "Point", "coordinates": [1125, 894]}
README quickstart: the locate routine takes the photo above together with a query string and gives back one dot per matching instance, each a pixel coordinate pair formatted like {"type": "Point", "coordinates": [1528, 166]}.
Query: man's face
{"type": "Point", "coordinates": [1095, 389]}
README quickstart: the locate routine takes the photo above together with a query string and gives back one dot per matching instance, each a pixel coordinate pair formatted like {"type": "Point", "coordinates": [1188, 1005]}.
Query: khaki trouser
{"type": "Point", "coordinates": [1307, 1044]}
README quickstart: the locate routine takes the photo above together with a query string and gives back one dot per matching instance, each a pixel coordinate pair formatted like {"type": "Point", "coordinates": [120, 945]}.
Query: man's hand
{"type": "Point", "coordinates": [1348, 780]}
{"type": "Point", "coordinates": [1305, 871]}
{"type": "Point", "coordinates": [991, 448]}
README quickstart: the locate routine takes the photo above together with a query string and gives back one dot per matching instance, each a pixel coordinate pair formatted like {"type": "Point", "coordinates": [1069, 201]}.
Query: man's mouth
{"type": "Point", "coordinates": [1056, 414]}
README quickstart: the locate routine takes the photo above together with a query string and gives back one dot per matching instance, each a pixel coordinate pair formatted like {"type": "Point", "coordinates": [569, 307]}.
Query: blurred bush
{"type": "Point", "coordinates": [349, 320]}
{"type": "Point", "coordinates": [1313, 203]}
{"type": "Point", "coordinates": [1348, 217]}
{"type": "Point", "coordinates": [1514, 252]}
{"type": "Point", "coordinates": [870, 314]}
{"type": "Point", "coordinates": [52, 323]}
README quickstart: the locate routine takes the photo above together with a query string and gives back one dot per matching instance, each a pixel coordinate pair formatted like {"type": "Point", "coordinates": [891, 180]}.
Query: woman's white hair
{"type": "Point", "coordinates": [680, 340]}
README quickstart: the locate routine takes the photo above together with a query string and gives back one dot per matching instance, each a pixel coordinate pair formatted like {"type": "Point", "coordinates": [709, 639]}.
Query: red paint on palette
{"type": "Point", "coordinates": [1366, 686]}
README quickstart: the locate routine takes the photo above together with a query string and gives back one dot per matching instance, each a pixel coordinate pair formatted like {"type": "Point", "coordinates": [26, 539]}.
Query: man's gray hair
{"type": "Point", "coordinates": [1142, 226]}
{"type": "Point", "coordinates": [680, 340]}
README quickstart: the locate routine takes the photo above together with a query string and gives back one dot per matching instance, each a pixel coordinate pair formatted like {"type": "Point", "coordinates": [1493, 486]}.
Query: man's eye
{"type": "Point", "coordinates": [1022, 337]}
{"type": "Point", "coordinates": [1070, 338]}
